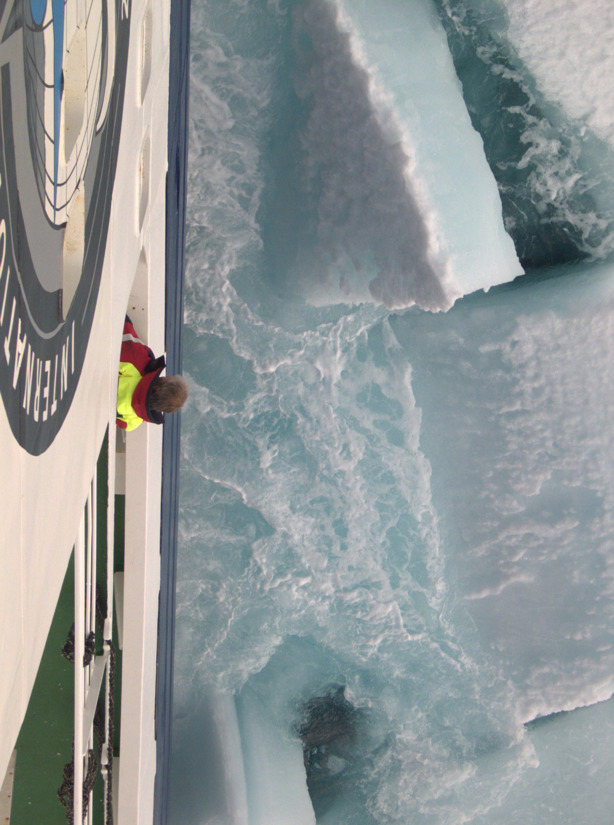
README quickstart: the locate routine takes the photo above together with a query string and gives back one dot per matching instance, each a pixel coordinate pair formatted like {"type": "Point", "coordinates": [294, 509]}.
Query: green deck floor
{"type": "Point", "coordinates": [44, 744]}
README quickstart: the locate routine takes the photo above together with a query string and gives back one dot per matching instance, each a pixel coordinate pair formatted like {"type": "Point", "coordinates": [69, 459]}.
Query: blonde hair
{"type": "Point", "coordinates": [169, 394]}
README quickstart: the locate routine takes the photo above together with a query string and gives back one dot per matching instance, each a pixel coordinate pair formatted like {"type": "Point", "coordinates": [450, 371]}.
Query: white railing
{"type": "Point", "coordinates": [89, 678]}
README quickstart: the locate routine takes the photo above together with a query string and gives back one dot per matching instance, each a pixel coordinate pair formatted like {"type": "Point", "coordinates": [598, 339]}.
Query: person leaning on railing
{"type": "Point", "coordinates": [142, 393]}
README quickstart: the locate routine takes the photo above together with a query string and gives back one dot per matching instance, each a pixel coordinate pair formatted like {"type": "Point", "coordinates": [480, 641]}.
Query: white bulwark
{"type": "Point", "coordinates": [82, 242]}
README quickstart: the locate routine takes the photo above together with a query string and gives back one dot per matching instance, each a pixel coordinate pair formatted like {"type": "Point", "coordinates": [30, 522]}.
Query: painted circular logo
{"type": "Point", "coordinates": [62, 78]}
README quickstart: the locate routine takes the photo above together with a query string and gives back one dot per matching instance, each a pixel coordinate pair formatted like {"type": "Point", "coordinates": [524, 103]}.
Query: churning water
{"type": "Point", "coordinates": [396, 527]}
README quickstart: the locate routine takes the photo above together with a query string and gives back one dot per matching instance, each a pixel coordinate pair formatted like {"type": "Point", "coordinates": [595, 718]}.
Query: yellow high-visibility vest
{"type": "Point", "coordinates": [129, 378]}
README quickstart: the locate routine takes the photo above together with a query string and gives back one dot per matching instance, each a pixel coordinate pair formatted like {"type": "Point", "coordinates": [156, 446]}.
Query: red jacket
{"type": "Point", "coordinates": [138, 371]}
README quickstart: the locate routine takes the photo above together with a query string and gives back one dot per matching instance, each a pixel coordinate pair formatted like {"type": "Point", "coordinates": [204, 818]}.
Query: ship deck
{"type": "Point", "coordinates": [67, 279]}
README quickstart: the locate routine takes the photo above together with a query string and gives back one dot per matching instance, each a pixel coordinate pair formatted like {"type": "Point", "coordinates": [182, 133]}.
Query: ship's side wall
{"type": "Point", "coordinates": [43, 493]}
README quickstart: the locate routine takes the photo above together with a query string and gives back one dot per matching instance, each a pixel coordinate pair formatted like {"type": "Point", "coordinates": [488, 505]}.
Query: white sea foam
{"type": "Point", "coordinates": [348, 477]}
{"type": "Point", "coordinates": [568, 45]}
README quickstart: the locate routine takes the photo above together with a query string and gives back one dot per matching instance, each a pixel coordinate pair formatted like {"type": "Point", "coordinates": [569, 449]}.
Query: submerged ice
{"type": "Point", "coordinates": [396, 525]}
{"type": "Point", "coordinates": [518, 440]}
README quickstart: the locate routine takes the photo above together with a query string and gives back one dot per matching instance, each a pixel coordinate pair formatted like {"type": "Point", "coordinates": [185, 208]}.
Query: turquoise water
{"type": "Point", "coordinates": [394, 540]}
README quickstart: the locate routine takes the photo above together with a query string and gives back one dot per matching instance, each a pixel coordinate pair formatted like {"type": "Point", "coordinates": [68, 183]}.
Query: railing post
{"type": "Point", "coordinates": [106, 758]}
{"type": "Point", "coordinates": [79, 673]}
